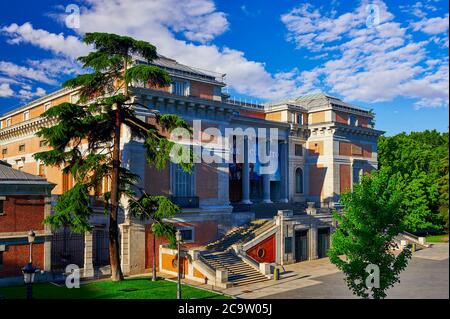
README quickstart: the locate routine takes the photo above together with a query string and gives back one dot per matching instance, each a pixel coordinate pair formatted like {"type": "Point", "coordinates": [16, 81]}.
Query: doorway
{"type": "Point", "coordinates": [323, 242]}
{"type": "Point", "coordinates": [301, 245]}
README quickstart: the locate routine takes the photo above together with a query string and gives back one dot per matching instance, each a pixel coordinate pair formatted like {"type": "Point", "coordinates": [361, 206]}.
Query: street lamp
{"type": "Point", "coordinates": [29, 270]}
{"type": "Point", "coordinates": [178, 238]}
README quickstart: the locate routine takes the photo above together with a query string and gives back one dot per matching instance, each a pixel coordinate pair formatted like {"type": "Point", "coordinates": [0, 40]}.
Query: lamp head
{"type": "Point", "coordinates": [178, 235]}
{"type": "Point", "coordinates": [31, 236]}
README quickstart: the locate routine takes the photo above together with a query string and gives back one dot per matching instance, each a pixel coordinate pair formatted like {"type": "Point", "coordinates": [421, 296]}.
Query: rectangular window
{"type": "Point", "coordinates": [4, 151]}
{"type": "Point", "coordinates": [8, 122]}
{"type": "Point", "coordinates": [42, 143]}
{"type": "Point", "coordinates": [298, 150]}
{"type": "Point", "coordinates": [179, 88]}
{"type": "Point", "coordinates": [2, 207]}
{"type": "Point", "coordinates": [41, 170]}
{"type": "Point", "coordinates": [183, 182]}
{"type": "Point", "coordinates": [187, 235]}
{"type": "Point", "coordinates": [1, 258]}
{"type": "Point", "coordinates": [356, 149]}
{"type": "Point", "coordinates": [26, 115]}
{"type": "Point", "coordinates": [300, 119]}
{"type": "Point", "coordinates": [47, 106]}
{"type": "Point", "coordinates": [22, 148]}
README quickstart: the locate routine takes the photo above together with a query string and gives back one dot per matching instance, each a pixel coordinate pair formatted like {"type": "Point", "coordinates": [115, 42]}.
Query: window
{"type": "Point", "coordinates": [4, 151]}
{"type": "Point", "coordinates": [26, 115]}
{"type": "Point", "coordinates": [41, 170]}
{"type": "Point", "coordinates": [22, 148]}
{"type": "Point", "coordinates": [299, 181]}
{"type": "Point", "coordinates": [187, 234]}
{"type": "Point", "coordinates": [352, 120]}
{"type": "Point", "coordinates": [47, 106]}
{"type": "Point", "coordinates": [300, 118]}
{"type": "Point", "coordinates": [2, 206]}
{"type": "Point", "coordinates": [8, 122]}
{"type": "Point", "coordinates": [183, 183]}
{"type": "Point", "coordinates": [357, 150]}
{"type": "Point", "coordinates": [357, 174]}
{"type": "Point", "coordinates": [298, 150]}
{"type": "Point", "coordinates": [42, 143]}
{"type": "Point", "coordinates": [1, 258]}
{"type": "Point", "coordinates": [180, 88]}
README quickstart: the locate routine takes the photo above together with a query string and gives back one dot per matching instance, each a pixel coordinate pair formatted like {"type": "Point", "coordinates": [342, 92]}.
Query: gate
{"type": "Point", "coordinates": [67, 248]}
{"type": "Point", "coordinates": [100, 247]}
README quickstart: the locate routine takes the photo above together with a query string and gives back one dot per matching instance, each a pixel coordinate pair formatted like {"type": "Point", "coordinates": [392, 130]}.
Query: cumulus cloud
{"type": "Point", "coordinates": [15, 71]}
{"type": "Point", "coordinates": [432, 26]}
{"type": "Point", "coordinates": [57, 43]}
{"type": "Point", "coordinates": [370, 64]}
{"type": "Point", "coordinates": [5, 90]}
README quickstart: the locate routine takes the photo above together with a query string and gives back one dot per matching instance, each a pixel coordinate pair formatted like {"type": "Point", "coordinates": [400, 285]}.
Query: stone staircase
{"type": "Point", "coordinates": [240, 234]}
{"type": "Point", "coordinates": [239, 273]}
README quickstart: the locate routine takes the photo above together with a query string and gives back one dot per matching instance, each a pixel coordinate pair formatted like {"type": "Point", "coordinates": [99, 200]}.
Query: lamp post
{"type": "Point", "coordinates": [178, 238]}
{"type": "Point", "coordinates": [29, 270]}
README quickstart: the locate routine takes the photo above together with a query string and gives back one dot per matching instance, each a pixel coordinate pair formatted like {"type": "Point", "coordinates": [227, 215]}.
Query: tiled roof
{"type": "Point", "coordinates": [9, 175]}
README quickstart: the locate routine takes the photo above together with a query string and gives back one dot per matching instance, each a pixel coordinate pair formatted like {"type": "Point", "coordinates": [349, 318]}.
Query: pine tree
{"type": "Point", "coordinates": [104, 106]}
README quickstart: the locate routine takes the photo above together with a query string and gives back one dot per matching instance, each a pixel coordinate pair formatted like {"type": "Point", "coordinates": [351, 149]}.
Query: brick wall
{"type": "Point", "coordinates": [202, 90]}
{"type": "Point", "coordinates": [207, 180]}
{"type": "Point", "coordinates": [316, 179]}
{"type": "Point", "coordinates": [16, 257]}
{"type": "Point", "coordinates": [22, 213]}
{"type": "Point", "coordinates": [344, 177]}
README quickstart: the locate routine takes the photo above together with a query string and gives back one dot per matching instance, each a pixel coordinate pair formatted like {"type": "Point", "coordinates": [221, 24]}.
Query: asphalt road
{"type": "Point", "coordinates": [422, 279]}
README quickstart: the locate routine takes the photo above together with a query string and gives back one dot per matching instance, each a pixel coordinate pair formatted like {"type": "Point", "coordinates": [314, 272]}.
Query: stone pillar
{"type": "Point", "coordinates": [313, 242]}
{"type": "Point", "coordinates": [48, 237]}
{"type": "Point", "coordinates": [224, 183]}
{"type": "Point", "coordinates": [246, 176]}
{"type": "Point", "coordinates": [284, 166]}
{"type": "Point", "coordinates": [88, 268]}
{"type": "Point", "coordinates": [124, 246]}
{"type": "Point", "coordinates": [266, 189]}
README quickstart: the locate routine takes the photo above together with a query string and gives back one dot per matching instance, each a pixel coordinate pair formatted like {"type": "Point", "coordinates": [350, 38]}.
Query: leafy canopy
{"type": "Point", "coordinates": [372, 218]}
{"type": "Point", "coordinates": [81, 140]}
{"type": "Point", "coordinates": [421, 159]}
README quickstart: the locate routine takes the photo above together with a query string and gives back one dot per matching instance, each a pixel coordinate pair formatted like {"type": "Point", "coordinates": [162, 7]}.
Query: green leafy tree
{"type": "Point", "coordinates": [364, 236]}
{"type": "Point", "coordinates": [86, 139]}
{"type": "Point", "coordinates": [158, 209]}
{"type": "Point", "coordinates": [421, 158]}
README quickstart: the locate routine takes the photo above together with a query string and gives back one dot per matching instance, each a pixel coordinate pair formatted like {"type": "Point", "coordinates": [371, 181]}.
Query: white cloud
{"type": "Point", "coordinates": [15, 71]}
{"type": "Point", "coordinates": [432, 26]}
{"type": "Point", "coordinates": [161, 23]}
{"type": "Point", "coordinates": [368, 64]}
{"type": "Point", "coordinates": [26, 93]}
{"type": "Point", "coordinates": [5, 90]}
{"type": "Point", "coordinates": [57, 43]}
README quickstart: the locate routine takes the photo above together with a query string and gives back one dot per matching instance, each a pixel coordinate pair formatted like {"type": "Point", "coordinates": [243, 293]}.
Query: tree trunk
{"type": "Point", "coordinates": [114, 250]}
{"type": "Point", "coordinates": [154, 258]}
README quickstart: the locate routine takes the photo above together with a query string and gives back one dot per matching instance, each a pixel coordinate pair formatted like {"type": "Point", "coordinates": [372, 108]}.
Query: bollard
{"type": "Point", "coordinates": [414, 247]}
{"type": "Point", "coordinates": [276, 274]}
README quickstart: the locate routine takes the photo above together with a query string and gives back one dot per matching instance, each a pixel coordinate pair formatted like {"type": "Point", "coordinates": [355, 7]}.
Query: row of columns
{"type": "Point", "coordinates": [265, 177]}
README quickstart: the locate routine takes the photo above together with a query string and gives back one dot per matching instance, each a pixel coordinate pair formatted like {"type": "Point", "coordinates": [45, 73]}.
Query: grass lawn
{"type": "Point", "coordinates": [437, 238]}
{"type": "Point", "coordinates": [133, 288]}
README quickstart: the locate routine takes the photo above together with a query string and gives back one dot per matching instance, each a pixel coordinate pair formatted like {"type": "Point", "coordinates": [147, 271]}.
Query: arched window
{"type": "Point", "coordinates": [299, 181]}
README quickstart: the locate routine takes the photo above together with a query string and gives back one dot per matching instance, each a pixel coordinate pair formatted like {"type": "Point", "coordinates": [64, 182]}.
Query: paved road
{"type": "Point", "coordinates": [425, 277]}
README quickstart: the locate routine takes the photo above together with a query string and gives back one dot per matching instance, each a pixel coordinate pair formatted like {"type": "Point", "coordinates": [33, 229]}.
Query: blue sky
{"type": "Point", "coordinates": [391, 56]}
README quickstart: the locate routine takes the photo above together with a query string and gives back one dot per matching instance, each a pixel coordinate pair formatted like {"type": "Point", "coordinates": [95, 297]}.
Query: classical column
{"type": "Point", "coordinates": [266, 189]}
{"type": "Point", "coordinates": [284, 164]}
{"type": "Point", "coordinates": [88, 269]}
{"type": "Point", "coordinates": [246, 175]}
